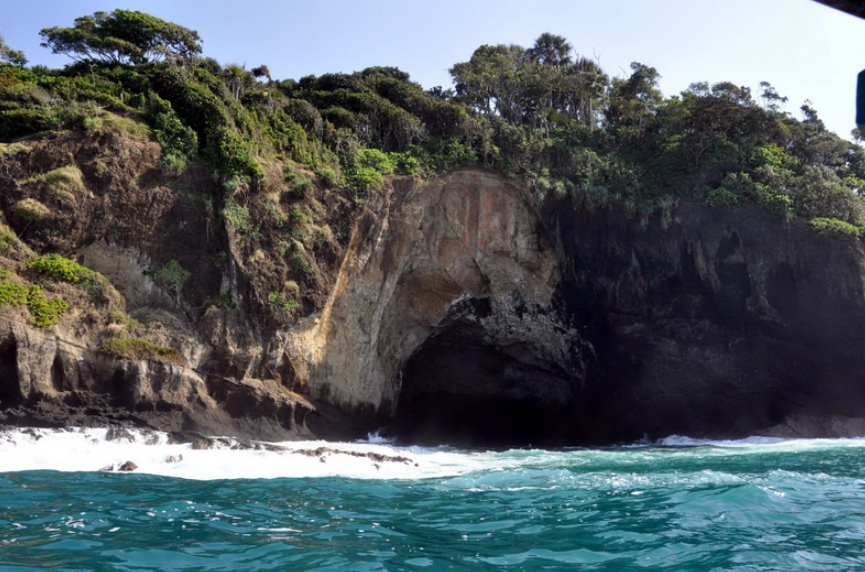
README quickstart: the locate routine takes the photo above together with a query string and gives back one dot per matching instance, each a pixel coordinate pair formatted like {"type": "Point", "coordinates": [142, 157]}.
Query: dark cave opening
{"type": "Point", "coordinates": [10, 384]}
{"type": "Point", "coordinates": [460, 389]}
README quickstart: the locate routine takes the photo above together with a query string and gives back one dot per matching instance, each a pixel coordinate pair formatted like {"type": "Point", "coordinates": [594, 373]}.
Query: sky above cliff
{"type": "Point", "coordinates": [804, 49]}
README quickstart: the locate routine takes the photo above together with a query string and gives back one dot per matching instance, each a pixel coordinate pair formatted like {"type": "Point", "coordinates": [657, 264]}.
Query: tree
{"type": "Point", "coordinates": [637, 98]}
{"type": "Point", "coordinates": [550, 49]}
{"type": "Point", "coordinates": [238, 79]}
{"type": "Point", "coordinates": [122, 36]}
{"type": "Point", "coordinates": [10, 56]}
{"type": "Point", "coordinates": [261, 71]}
{"type": "Point", "coordinates": [772, 101]}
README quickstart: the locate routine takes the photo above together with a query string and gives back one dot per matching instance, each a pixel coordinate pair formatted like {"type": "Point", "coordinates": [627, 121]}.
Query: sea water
{"type": "Point", "coordinates": [677, 504]}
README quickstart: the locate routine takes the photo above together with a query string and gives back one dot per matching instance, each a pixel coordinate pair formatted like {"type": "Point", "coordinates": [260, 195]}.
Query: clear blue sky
{"type": "Point", "coordinates": [806, 50]}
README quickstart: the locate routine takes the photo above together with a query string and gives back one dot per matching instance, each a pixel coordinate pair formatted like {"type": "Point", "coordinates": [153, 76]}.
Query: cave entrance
{"type": "Point", "coordinates": [463, 388]}
{"type": "Point", "coordinates": [10, 384]}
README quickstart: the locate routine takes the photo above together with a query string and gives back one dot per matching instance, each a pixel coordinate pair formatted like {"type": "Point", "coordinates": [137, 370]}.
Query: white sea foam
{"type": "Point", "coordinates": [78, 449]}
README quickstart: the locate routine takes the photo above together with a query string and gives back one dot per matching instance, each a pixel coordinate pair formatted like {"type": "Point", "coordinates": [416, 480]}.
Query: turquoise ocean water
{"type": "Point", "coordinates": [678, 505]}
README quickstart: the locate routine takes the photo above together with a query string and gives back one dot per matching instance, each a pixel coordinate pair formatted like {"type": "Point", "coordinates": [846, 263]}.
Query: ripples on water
{"type": "Point", "coordinates": [787, 506]}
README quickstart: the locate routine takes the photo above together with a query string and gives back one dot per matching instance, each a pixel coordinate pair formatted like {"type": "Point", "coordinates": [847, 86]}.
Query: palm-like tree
{"type": "Point", "coordinates": [238, 78]}
{"type": "Point", "coordinates": [550, 49]}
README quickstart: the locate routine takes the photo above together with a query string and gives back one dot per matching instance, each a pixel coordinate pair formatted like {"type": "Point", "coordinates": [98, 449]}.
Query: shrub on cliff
{"type": "Point", "coordinates": [62, 269]}
{"type": "Point", "coordinates": [140, 349]}
{"type": "Point", "coordinates": [835, 227]}
{"type": "Point", "coordinates": [43, 312]}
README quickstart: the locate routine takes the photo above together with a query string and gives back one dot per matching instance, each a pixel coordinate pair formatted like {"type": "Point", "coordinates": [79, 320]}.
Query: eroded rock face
{"type": "Point", "coordinates": [724, 322]}
{"type": "Point", "coordinates": [465, 261]}
{"type": "Point", "coordinates": [462, 315]}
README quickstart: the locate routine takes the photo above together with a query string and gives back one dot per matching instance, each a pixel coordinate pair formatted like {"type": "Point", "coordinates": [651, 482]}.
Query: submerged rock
{"type": "Point", "coordinates": [127, 467]}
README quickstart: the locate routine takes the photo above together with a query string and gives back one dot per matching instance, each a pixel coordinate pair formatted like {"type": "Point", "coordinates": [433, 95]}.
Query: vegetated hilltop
{"type": "Point", "coordinates": [221, 202]}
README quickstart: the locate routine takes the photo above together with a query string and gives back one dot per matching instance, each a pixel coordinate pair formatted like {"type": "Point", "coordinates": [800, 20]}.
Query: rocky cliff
{"type": "Point", "coordinates": [449, 310]}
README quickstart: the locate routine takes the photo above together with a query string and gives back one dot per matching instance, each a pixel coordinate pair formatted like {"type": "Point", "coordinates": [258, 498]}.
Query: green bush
{"type": "Point", "coordinates": [61, 268]}
{"type": "Point", "coordinates": [9, 242]}
{"type": "Point", "coordinates": [721, 197]}
{"type": "Point", "coordinates": [836, 227]}
{"type": "Point", "coordinates": [177, 140]}
{"type": "Point", "coordinates": [12, 293]}
{"type": "Point", "coordinates": [282, 302]}
{"type": "Point", "coordinates": [172, 276]}
{"type": "Point", "coordinates": [173, 164]}
{"type": "Point", "coordinates": [45, 313]}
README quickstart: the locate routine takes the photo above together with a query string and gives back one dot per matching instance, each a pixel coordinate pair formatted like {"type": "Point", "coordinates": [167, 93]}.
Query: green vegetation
{"type": "Point", "coordinates": [9, 242]}
{"type": "Point", "coordinates": [11, 292]}
{"type": "Point", "coordinates": [10, 56]}
{"type": "Point", "coordinates": [237, 216]}
{"type": "Point", "coordinates": [576, 135]}
{"type": "Point", "coordinates": [44, 313]}
{"type": "Point", "coordinates": [60, 268]}
{"type": "Point", "coordinates": [835, 227]}
{"type": "Point", "coordinates": [121, 318]}
{"type": "Point", "coordinates": [122, 36]}
{"type": "Point", "coordinates": [30, 209]}
{"type": "Point", "coordinates": [12, 148]}
{"type": "Point", "coordinates": [722, 197]}
{"type": "Point", "coordinates": [172, 276]}
{"type": "Point", "coordinates": [139, 349]}
{"type": "Point", "coordinates": [281, 301]}
{"type": "Point", "coordinates": [221, 301]}
{"type": "Point", "coordinates": [63, 181]}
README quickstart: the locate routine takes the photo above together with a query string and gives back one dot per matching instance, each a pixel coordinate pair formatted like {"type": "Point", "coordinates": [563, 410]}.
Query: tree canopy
{"type": "Point", "coordinates": [122, 36]}
{"type": "Point", "coordinates": [10, 56]}
{"type": "Point", "coordinates": [575, 134]}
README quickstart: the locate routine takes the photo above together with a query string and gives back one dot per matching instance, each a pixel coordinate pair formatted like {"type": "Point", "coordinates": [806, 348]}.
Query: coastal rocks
{"type": "Point", "coordinates": [126, 467]}
{"type": "Point", "coordinates": [716, 322]}
{"type": "Point", "coordinates": [322, 453]}
{"type": "Point", "coordinates": [462, 315]}
{"type": "Point", "coordinates": [459, 261]}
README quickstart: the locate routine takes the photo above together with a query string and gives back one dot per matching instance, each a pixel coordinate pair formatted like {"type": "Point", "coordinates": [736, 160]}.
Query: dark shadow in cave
{"type": "Point", "coordinates": [460, 389]}
{"type": "Point", "coordinates": [10, 384]}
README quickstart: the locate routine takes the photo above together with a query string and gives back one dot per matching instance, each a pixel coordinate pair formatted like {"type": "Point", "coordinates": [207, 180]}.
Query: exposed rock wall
{"type": "Point", "coordinates": [456, 313]}
{"type": "Point", "coordinates": [412, 272]}
{"type": "Point", "coordinates": [722, 322]}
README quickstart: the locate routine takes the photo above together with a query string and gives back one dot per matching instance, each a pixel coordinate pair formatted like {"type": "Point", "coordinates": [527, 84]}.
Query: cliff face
{"type": "Point", "coordinates": [456, 312]}
{"type": "Point", "coordinates": [443, 306]}
{"type": "Point", "coordinates": [723, 322]}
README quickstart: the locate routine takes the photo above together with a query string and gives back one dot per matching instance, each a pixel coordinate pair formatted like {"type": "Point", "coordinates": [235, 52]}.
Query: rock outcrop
{"type": "Point", "coordinates": [443, 302]}
{"type": "Point", "coordinates": [721, 322]}
{"type": "Point", "coordinates": [456, 312]}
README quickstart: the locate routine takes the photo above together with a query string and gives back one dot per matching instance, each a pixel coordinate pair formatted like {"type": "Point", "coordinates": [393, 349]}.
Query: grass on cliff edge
{"type": "Point", "coordinates": [139, 349]}
{"type": "Point", "coordinates": [63, 181]}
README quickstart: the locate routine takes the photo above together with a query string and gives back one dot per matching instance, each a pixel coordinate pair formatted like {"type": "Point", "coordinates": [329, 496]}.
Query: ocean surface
{"type": "Point", "coordinates": [678, 504]}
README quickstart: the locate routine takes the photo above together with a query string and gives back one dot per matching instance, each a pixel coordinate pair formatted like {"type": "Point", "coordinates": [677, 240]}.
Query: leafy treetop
{"type": "Point", "coordinates": [10, 56]}
{"type": "Point", "coordinates": [122, 36]}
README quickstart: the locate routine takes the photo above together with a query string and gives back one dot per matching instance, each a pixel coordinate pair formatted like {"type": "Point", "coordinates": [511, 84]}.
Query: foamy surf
{"type": "Point", "coordinates": [80, 449]}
